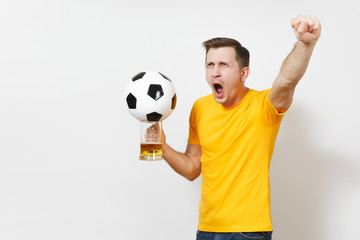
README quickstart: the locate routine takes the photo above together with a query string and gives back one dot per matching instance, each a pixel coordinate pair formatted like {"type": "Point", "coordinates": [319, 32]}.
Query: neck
{"type": "Point", "coordinates": [237, 99]}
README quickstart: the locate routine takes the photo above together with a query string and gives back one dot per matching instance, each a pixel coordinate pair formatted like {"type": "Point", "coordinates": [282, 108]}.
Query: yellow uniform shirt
{"type": "Point", "coordinates": [237, 144]}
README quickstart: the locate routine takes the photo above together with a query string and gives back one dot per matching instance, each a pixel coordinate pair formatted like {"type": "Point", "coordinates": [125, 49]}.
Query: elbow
{"type": "Point", "coordinates": [194, 175]}
{"type": "Point", "coordinates": [192, 178]}
{"type": "Point", "coordinates": [287, 83]}
{"type": "Point", "coordinates": [193, 167]}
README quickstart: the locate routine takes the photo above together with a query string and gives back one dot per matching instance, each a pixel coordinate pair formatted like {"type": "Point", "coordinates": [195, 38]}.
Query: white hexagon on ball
{"type": "Point", "coordinates": [150, 96]}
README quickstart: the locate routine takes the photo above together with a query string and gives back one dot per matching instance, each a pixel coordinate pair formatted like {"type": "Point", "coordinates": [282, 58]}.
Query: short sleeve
{"type": "Point", "coordinates": [193, 134]}
{"type": "Point", "coordinates": [268, 109]}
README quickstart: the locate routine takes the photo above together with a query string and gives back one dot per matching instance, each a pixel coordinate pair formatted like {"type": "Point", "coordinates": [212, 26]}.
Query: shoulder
{"type": "Point", "coordinates": [255, 95]}
{"type": "Point", "coordinates": [207, 99]}
{"type": "Point", "coordinates": [262, 101]}
{"type": "Point", "coordinates": [260, 94]}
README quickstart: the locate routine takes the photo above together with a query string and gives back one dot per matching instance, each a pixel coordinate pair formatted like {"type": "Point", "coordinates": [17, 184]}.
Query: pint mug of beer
{"type": "Point", "coordinates": [151, 141]}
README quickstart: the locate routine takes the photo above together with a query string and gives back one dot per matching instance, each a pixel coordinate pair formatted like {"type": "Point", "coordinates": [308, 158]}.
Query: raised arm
{"type": "Point", "coordinates": [307, 31]}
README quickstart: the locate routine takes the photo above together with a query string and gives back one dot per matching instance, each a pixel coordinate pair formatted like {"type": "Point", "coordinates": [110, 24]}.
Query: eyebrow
{"type": "Point", "coordinates": [221, 62]}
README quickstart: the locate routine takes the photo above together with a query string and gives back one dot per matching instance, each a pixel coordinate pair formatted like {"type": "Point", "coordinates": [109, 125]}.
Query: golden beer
{"type": "Point", "coordinates": [151, 151]}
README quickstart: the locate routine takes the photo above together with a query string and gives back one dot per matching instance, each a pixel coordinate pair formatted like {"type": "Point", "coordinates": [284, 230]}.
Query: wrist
{"type": "Point", "coordinates": [306, 44]}
{"type": "Point", "coordinates": [165, 149]}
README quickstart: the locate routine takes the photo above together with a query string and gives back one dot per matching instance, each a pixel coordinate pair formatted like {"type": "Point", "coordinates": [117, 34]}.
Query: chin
{"type": "Point", "coordinates": [219, 100]}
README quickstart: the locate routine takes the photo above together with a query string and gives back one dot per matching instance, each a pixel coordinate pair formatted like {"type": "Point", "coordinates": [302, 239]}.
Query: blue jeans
{"type": "Point", "coordinates": [200, 235]}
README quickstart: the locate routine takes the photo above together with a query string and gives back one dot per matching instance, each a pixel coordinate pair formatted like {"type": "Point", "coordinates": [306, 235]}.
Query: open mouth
{"type": "Point", "coordinates": [218, 89]}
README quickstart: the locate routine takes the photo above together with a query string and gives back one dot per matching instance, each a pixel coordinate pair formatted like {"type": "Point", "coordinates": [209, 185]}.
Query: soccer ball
{"type": "Point", "coordinates": [150, 96]}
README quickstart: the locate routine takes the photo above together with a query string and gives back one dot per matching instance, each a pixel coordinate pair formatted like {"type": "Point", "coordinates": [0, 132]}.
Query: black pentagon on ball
{"type": "Point", "coordinates": [153, 117]}
{"type": "Point", "coordinates": [138, 76]}
{"type": "Point", "coordinates": [173, 102]}
{"type": "Point", "coordinates": [131, 101]}
{"type": "Point", "coordinates": [164, 76]}
{"type": "Point", "coordinates": [155, 91]}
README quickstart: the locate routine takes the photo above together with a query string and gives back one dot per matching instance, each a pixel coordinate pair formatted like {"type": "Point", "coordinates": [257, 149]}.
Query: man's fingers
{"type": "Point", "coordinates": [299, 24]}
{"type": "Point", "coordinates": [311, 24]}
{"type": "Point", "coordinates": [303, 24]}
{"type": "Point", "coordinates": [295, 23]}
{"type": "Point", "coordinates": [307, 28]}
{"type": "Point", "coordinates": [317, 25]}
{"type": "Point", "coordinates": [153, 128]}
{"type": "Point", "coordinates": [303, 27]}
{"type": "Point", "coordinates": [152, 137]}
{"type": "Point", "coordinates": [153, 133]}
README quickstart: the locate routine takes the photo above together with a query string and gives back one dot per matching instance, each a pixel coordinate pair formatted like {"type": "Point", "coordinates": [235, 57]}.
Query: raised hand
{"type": "Point", "coordinates": [307, 28]}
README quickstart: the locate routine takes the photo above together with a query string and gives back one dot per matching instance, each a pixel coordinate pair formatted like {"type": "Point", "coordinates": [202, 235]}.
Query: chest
{"type": "Point", "coordinates": [218, 129]}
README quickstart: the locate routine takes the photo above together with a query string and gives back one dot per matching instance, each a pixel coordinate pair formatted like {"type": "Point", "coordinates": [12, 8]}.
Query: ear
{"type": "Point", "coordinates": [245, 71]}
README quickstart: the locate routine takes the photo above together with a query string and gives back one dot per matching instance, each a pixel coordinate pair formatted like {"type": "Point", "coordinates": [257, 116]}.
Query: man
{"type": "Point", "coordinates": [232, 136]}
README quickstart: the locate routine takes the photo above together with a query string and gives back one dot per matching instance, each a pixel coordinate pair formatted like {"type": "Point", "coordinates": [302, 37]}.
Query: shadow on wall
{"type": "Point", "coordinates": [310, 187]}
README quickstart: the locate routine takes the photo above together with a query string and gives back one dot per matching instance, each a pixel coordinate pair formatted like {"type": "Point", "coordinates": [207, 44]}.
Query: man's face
{"type": "Point", "coordinates": [224, 76]}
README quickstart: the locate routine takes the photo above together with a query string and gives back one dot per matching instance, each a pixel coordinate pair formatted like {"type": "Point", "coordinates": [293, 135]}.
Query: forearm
{"type": "Point", "coordinates": [185, 164]}
{"type": "Point", "coordinates": [295, 64]}
{"type": "Point", "coordinates": [307, 30]}
{"type": "Point", "coordinates": [292, 70]}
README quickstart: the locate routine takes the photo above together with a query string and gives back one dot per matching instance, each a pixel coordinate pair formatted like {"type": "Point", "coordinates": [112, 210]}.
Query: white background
{"type": "Point", "coordinates": [69, 165]}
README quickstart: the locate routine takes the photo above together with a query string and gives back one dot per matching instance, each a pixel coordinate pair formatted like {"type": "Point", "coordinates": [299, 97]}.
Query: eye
{"type": "Point", "coordinates": [224, 64]}
{"type": "Point", "coordinates": [210, 64]}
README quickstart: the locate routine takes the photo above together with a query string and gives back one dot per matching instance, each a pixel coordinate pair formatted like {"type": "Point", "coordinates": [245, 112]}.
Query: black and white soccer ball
{"type": "Point", "coordinates": [150, 96]}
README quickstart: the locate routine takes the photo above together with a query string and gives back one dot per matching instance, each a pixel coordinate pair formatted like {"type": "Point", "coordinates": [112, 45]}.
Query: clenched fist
{"type": "Point", "coordinates": [155, 133]}
{"type": "Point", "coordinates": [307, 28]}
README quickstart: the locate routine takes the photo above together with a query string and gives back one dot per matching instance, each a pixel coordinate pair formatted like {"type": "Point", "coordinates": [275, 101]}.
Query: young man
{"type": "Point", "coordinates": [232, 136]}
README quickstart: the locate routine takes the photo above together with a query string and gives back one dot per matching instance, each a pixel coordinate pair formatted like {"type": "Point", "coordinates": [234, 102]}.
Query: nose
{"type": "Point", "coordinates": [216, 71]}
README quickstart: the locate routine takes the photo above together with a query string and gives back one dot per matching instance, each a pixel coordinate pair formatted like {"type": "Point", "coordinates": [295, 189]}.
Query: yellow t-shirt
{"type": "Point", "coordinates": [237, 144]}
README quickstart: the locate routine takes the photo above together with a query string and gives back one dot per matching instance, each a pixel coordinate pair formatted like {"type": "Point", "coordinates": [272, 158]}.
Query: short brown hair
{"type": "Point", "coordinates": [242, 54]}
